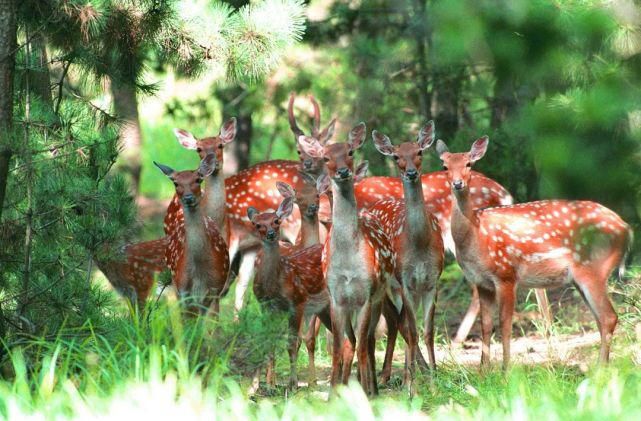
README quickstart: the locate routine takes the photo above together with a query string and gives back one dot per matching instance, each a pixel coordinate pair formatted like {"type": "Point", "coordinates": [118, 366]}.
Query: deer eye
{"type": "Point", "coordinates": [298, 152]}
{"type": "Point", "coordinates": [420, 153]}
{"type": "Point", "coordinates": [396, 157]}
{"type": "Point", "coordinates": [468, 165]}
{"type": "Point", "coordinates": [350, 153]}
{"type": "Point", "coordinates": [277, 221]}
{"type": "Point", "coordinates": [199, 150]}
{"type": "Point", "coordinates": [220, 146]}
{"type": "Point", "coordinates": [326, 159]}
{"type": "Point", "coordinates": [445, 167]}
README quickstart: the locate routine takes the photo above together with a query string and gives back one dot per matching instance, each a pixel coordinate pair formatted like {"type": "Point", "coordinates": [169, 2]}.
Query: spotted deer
{"type": "Point", "coordinates": [358, 264]}
{"type": "Point", "coordinates": [197, 253]}
{"type": "Point", "coordinates": [541, 244]}
{"type": "Point", "coordinates": [416, 236]}
{"type": "Point", "coordinates": [131, 271]}
{"type": "Point", "coordinates": [484, 192]}
{"type": "Point", "coordinates": [256, 186]}
{"type": "Point", "coordinates": [291, 282]}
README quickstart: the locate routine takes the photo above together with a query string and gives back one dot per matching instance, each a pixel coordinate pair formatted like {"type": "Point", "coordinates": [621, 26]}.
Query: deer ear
{"type": "Point", "coordinates": [168, 171]}
{"type": "Point", "coordinates": [479, 147]}
{"type": "Point", "coordinates": [441, 147]}
{"type": "Point", "coordinates": [252, 212]}
{"type": "Point", "coordinates": [322, 184]}
{"type": "Point", "coordinates": [286, 207]}
{"type": "Point", "coordinates": [383, 143]}
{"type": "Point", "coordinates": [357, 135]}
{"type": "Point", "coordinates": [327, 133]}
{"type": "Point", "coordinates": [311, 146]}
{"type": "Point", "coordinates": [228, 131]}
{"type": "Point", "coordinates": [207, 166]}
{"type": "Point", "coordinates": [285, 189]}
{"type": "Point", "coordinates": [426, 136]}
{"type": "Point", "coordinates": [361, 171]}
{"type": "Point", "coordinates": [186, 139]}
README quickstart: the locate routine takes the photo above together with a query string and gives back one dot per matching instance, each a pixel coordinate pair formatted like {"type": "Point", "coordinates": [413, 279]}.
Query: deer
{"type": "Point", "coordinates": [256, 186]}
{"type": "Point", "coordinates": [289, 282]}
{"type": "Point", "coordinates": [416, 235]}
{"type": "Point", "coordinates": [541, 244]}
{"type": "Point", "coordinates": [484, 192]}
{"type": "Point", "coordinates": [197, 253]}
{"type": "Point", "coordinates": [131, 271]}
{"type": "Point", "coordinates": [358, 262]}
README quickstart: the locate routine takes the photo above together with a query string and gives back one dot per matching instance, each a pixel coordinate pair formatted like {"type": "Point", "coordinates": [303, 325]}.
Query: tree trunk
{"type": "Point", "coordinates": [504, 102]}
{"type": "Point", "coordinates": [447, 92]}
{"type": "Point", "coordinates": [39, 78]}
{"type": "Point", "coordinates": [7, 64]}
{"type": "Point", "coordinates": [126, 108]}
{"type": "Point", "coordinates": [419, 27]}
{"type": "Point", "coordinates": [237, 153]}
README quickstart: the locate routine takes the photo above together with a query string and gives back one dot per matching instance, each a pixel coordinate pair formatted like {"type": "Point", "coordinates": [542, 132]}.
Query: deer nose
{"type": "Point", "coordinates": [343, 172]}
{"type": "Point", "coordinates": [312, 209]}
{"type": "Point", "coordinates": [308, 163]}
{"type": "Point", "coordinates": [412, 173]}
{"type": "Point", "coordinates": [271, 234]}
{"type": "Point", "coordinates": [189, 199]}
{"type": "Point", "coordinates": [458, 184]}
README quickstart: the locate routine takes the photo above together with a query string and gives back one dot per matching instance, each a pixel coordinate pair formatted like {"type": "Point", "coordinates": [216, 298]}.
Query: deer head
{"type": "Point", "coordinates": [459, 165]}
{"type": "Point", "coordinates": [188, 183]}
{"type": "Point", "coordinates": [210, 145]}
{"type": "Point", "coordinates": [408, 155]}
{"type": "Point", "coordinates": [338, 157]}
{"type": "Point", "coordinates": [306, 197]}
{"type": "Point", "coordinates": [308, 162]}
{"type": "Point", "coordinates": [267, 224]}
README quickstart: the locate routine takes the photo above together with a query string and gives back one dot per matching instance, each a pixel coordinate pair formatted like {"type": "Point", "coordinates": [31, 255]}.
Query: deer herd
{"type": "Point", "coordinates": [324, 243]}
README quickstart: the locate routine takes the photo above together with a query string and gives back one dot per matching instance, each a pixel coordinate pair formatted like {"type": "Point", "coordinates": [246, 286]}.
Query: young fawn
{"type": "Point", "coordinates": [358, 263]}
{"type": "Point", "coordinates": [541, 244]}
{"type": "Point", "coordinates": [416, 235]}
{"type": "Point", "coordinates": [197, 253]}
{"type": "Point", "coordinates": [291, 283]}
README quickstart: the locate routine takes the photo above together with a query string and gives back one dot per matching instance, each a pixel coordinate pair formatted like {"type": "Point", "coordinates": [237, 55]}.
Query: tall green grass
{"type": "Point", "coordinates": [164, 366]}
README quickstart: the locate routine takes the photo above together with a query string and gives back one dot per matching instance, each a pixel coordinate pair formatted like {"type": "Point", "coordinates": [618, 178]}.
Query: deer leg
{"type": "Point", "coordinates": [295, 323]}
{"type": "Point", "coordinates": [371, 346]}
{"type": "Point", "coordinates": [244, 276]}
{"type": "Point", "coordinates": [310, 344]}
{"type": "Point", "coordinates": [469, 318]}
{"type": "Point", "coordinates": [392, 320]}
{"type": "Point", "coordinates": [544, 308]}
{"type": "Point", "coordinates": [270, 373]}
{"type": "Point", "coordinates": [349, 345]}
{"type": "Point", "coordinates": [362, 342]}
{"type": "Point", "coordinates": [506, 297]}
{"type": "Point", "coordinates": [594, 293]}
{"type": "Point", "coordinates": [409, 333]}
{"type": "Point", "coordinates": [338, 326]}
{"type": "Point", "coordinates": [429, 306]}
{"type": "Point", "coordinates": [486, 299]}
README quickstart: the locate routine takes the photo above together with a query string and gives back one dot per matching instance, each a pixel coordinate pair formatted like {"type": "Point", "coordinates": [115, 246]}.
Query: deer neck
{"type": "Point", "coordinates": [215, 200]}
{"type": "Point", "coordinates": [269, 269]}
{"type": "Point", "coordinates": [196, 240]}
{"type": "Point", "coordinates": [416, 225]}
{"type": "Point", "coordinates": [344, 215]}
{"type": "Point", "coordinates": [309, 234]}
{"type": "Point", "coordinates": [464, 226]}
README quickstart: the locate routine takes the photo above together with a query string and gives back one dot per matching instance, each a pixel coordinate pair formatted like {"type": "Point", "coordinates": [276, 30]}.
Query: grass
{"type": "Point", "coordinates": [165, 366]}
